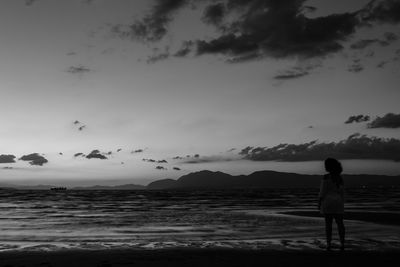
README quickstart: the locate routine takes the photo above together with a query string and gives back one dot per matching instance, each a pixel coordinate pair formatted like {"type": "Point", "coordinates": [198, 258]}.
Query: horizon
{"type": "Point", "coordinates": [147, 182]}
{"type": "Point", "coordinates": [157, 89]}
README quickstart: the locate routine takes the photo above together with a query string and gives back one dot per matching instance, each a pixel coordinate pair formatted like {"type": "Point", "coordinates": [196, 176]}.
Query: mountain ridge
{"type": "Point", "coordinates": [206, 179]}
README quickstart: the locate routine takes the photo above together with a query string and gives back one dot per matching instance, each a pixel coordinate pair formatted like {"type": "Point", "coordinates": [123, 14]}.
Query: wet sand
{"type": "Point", "coordinates": [386, 218]}
{"type": "Point", "coordinates": [199, 257]}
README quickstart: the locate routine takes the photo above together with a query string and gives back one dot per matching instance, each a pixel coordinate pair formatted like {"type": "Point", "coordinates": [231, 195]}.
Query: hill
{"type": "Point", "coordinates": [265, 179]}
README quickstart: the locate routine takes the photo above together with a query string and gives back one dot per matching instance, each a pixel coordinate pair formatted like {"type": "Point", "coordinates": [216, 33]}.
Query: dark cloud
{"type": "Point", "coordinates": [357, 119]}
{"type": "Point", "coordinates": [208, 159]}
{"type": "Point", "coordinates": [96, 154]}
{"type": "Point", "coordinates": [356, 67]}
{"type": "Point", "coordinates": [246, 150]}
{"type": "Point", "coordinates": [291, 74]}
{"type": "Point", "coordinates": [277, 29]}
{"type": "Point", "coordinates": [162, 161]}
{"type": "Point", "coordinates": [390, 120]}
{"type": "Point", "coordinates": [79, 155]}
{"type": "Point", "coordinates": [30, 2]}
{"type": "Point", "coordinates": [386, 11]}
{"type": "Point", "coordinates": [119, 149]}
{"type": "Point", "coordinates": [231, 150]}
{"type": "Point", "coordinates": [153, 27]}
{"type": "Point", "coordinates": [390, 37]}
{"type": "Point", "coordinates": [381, 64]}
{"type": "Point", "coordinates": [138, 151]}
{"type": "Point", "coordinates": [80, 69]}
{"type": "Point", "coordinates": [177, 157]}
{"type": "Point", "coordinates": [176, 169]}
{"type": "Point", "coordinates": [81, 127]}
{"type": "Point", "coordinates": [34, 159]}
{"type": "Point", "coordinates": [355, 147]}
{"type": "Point", "coordinates": [60, 154]}
{"type": "Point", "coordinates": [7, 168]}
{"type": "Point", "coordinates": [7, 158]}
{"type": "Point", "coordinates": [77, 122]}
{"type": "Point", "coordinates": [186, 48]}
{"type": "Point", "coordinates": [149, 160]}
{"type": "Point", "coordinates": [158, 56]}
{"type": "Point", "coordinates": [254, 29]}
{"type": "Point", "coordinates": [361, 44]}
{"type": "Point", "coordinates": [214, 14]}
{"type": "Point", "coordinates": [161, 168]}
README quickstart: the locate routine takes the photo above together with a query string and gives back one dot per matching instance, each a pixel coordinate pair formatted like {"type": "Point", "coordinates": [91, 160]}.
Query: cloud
{"type": "Point", "coordinates": [80, 69]}
{"type": "Point", "coordinates": [7, 158]}
{"type": "Point", "coordinates": [79, 155]}
{"type": "Point", "coordinates": [255, 29]}
{"type": "Point", "coordinates": [30, 2]}
{"type": "Point", "coordinates": [176, 169]}
{"type": "Point", "coordinates": [246, 150]}
{"type": "Point", "coordinates": [291, 74]}
{"type": "Point", "coordinates": [153, 27]}
{"type": "Point", "coordinates": [137, 151]}
{"type": "Point", "coordinates": [7, 168]}
{"type": "Point", "coordinates": [356, 146]}
{"type": "Point", "coordinates": [155, 161]}
{"type": "Point", "coordinates": [158, 56]}
{"type": "Point", "coordinates": [34, 159]}
{"type": "Point", "coordinates": [209, 159]}
{"type": "Point", "coordinates": [96, 154]}
{"type": "Point", "coordinates": [161, 168]}
{"type": "Point", "coordinates": [361, 44]}
{"type": "Point", "coordinates": [119, 149]}
{"type": "Point", "coordinates": [357, 119]}
{"type": "Point", "coordinates": [214, 14]}
{"type": "Point", "coordinates": [149, 160]}
{"type": "Point", "coordinates": [80, 125]}
{"type": "Point", "coordinates": [186, 48]}
{"type": "Point", "coordinates": [386, 11]}
{"type": "Point", "coordinates": [390, 120]}
{"type": "Point", "coordinates": [177, 157]}
{"type": "Point", "coordinates": [356, 67]}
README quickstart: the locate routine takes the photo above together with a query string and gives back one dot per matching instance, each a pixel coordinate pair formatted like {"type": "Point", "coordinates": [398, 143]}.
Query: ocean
{"type": "Point", "coordinates": [105, 219]}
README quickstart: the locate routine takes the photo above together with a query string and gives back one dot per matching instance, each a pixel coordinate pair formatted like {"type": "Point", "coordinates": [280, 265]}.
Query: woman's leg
{"type": "Point", "coordinates": [341, 229]}
{"type": "Point", "coordinates": [328, 230]}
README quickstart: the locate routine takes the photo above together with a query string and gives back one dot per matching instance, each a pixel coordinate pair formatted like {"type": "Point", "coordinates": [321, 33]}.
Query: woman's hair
{"type": "Point", "coordinates": [334, 167]}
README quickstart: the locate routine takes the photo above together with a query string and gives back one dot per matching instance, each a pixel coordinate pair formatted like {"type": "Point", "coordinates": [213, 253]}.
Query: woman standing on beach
{"type": "Point", "coordinates": [331, 200]}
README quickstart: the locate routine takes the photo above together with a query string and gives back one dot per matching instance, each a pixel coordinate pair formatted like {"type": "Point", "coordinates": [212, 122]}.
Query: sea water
{"type": "Point", "coordinates": [104, 219]}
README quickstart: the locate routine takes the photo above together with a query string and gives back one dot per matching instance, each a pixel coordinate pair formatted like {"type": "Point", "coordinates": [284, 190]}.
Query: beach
{"type": "Point", "coordinates": [198, 257]}
{"type": "Point", "coordinates": [193, 228]}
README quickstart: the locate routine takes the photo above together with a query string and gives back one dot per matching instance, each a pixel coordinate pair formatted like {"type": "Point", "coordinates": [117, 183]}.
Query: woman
{"type": "Point", "coordinates": [331, 200]}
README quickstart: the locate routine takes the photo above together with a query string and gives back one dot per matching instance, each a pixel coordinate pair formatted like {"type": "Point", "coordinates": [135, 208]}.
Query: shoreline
{"type": "Point", "coordinates": [385, 218]}
{"type": "Point", "coordinates": [198, 257]}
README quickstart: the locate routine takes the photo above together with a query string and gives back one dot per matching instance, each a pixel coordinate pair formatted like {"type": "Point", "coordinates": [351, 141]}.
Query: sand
{"type": "Point", "coordinates": [199, 257]}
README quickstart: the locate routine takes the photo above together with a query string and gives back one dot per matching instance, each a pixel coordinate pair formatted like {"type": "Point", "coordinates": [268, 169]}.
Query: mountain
{"type": "Point", "coordinates": [161, 184]}
{"type": "Point", "coordinates": [265, 179]}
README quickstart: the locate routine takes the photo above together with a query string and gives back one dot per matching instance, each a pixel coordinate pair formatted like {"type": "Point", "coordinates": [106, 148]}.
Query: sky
{"type": "Point", "coordinates": [120, 91]}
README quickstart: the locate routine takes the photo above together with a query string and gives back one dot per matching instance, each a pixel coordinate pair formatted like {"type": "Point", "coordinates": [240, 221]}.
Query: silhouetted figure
{"type": "Point", "coordinates": [331, 200]}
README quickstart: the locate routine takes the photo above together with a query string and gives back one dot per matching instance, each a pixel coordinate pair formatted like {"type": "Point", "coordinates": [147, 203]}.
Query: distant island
{"type": "Point", "coordinates": [219, 180]}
